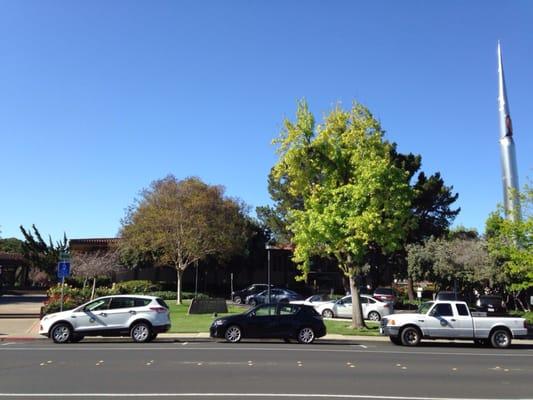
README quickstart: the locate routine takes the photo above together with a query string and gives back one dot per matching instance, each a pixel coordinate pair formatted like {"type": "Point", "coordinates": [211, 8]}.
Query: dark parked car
{"type": "Point", "coordinates": [282, 321]}
{"type": "Point", "coordinates": [387, 295]}
{"type": "Point", "coordinates": [239, 296]}
{"type": "Point", "coordinates": [449, 296]}
{"type": "Point", "coordinates": [491, 304]}
{"type": "Point", "coordinates": [276, 296]}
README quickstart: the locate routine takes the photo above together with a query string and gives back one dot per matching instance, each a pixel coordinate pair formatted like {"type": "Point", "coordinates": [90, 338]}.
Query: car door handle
{"type": "Point", "coordinates": [133, 312]}
{"type": "Point", "coordinates": [420, 320]}
{"type": "Point", "coordinates": [72, 316]}
{"type": "Point", "coordinates": [103, 314]}
{"type": "Point", "coordinates": [453, 319]}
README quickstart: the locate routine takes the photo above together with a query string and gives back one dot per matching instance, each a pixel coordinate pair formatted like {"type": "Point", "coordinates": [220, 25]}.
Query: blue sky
{"type": "Point", "coordinates": [99, 98]}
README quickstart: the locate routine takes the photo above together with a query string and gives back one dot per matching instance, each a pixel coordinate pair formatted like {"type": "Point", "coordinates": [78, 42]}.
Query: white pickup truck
{"type": "Point", "coordinates": [451, 320]}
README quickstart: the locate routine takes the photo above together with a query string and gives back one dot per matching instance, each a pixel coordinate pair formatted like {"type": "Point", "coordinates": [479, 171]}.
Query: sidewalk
{"type": "Point", "coordinates": [27, 306]}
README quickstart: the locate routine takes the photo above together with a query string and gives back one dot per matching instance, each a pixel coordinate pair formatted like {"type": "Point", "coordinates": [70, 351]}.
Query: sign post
{"type": "Point", "coordinates": [63, 271]}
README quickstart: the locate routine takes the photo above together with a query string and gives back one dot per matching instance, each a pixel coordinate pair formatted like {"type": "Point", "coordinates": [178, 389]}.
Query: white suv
{"type": "Point", "coordinates": [141, 317]}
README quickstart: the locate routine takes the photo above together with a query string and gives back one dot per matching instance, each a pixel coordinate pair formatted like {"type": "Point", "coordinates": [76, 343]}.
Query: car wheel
{"type": "Point", "coordinates": [410, 336]}
{"type": "Point", "coordinates": [253, 303]}
{"type": "Point", "coordinates": [374, 316]}
{"type": "Point", "coordinates": [76, 338]}
{"type": "Point", "coordinates": [396, 340]}
{"type": "Point", "coordinates": [500, 339]}
{"type": "Point", "coordinates": [141, 332]}
{"type": "Point", "coordinates": [327, 313]}
{"type": "Point", "coordinates": [237, 300]}
{"type": "Point", "coordinates": [306, 335]}
{"type": "Point", "coordinates": [61, 333]}
{"type": "Point", "coordinates": [233, 334]}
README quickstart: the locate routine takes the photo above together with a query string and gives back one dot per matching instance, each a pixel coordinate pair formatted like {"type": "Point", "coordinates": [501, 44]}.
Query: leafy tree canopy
{"type": "Point", "coordinates": [511, 242]}
{"type": "Point", "coordinates": [179, 222]}
{"type": "Point", "coordinates": [11, 245]}
{"type": "Point", "coordinates": [353, 195]}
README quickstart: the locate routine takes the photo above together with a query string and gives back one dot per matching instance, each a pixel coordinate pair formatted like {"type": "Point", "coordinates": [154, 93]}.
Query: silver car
{"type": "Point", "coordinates": [141, 317]}
{"type": "Point", "coordinates": [373, 309]}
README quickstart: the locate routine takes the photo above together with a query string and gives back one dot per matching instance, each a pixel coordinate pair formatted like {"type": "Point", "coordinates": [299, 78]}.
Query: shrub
{"type": "Point", "coordinates": [136, 287]}
{"type": "Point", "coordinates": [170, 295]}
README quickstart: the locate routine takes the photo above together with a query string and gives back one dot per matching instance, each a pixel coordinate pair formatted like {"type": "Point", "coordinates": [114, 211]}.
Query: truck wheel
{"type": "Point", "coordinates": [396, 340]}
{"type": "Point", "coordinates": [500, 338]}
{"type": "Point", "coordinates": [410, 336]}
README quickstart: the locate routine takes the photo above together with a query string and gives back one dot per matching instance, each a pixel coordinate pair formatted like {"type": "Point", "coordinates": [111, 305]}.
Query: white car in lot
{"type": "Point", "coordinates": [314, 301]}
{"type": "Point", "coordinates": [373, 309]}
{"type": "Point", "coordinates": [141, 317]}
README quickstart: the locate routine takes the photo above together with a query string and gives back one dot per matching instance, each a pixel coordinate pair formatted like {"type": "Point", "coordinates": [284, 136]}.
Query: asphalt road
{"type": "Point", "coordinates": [264, 370]}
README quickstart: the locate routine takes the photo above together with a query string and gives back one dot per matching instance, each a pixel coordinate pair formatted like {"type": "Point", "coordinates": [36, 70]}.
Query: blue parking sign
{"type": "Point", "coordinates": [63, 269]}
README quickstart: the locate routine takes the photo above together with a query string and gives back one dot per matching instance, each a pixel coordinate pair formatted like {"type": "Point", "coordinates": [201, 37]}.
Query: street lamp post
{"type": "Point", "coordinates": [268, 247]}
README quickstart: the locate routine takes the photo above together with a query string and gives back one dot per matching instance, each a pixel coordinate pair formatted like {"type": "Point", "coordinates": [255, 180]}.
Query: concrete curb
{"type": "Point", "coordinates": [204, 336]}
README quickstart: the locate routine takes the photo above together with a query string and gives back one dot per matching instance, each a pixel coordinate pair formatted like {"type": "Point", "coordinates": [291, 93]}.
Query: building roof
{"type": "Point", "coordinates": [94, 241]}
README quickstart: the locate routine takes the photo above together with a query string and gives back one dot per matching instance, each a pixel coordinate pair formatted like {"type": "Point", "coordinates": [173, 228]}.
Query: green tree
{"type": "Point", "coordinates": [432, 213]}
{"type": "Point", "coordinates": [11, 245]}
{"type": "Point", "coordinates": [461, 260]}
{"type": "Point", "coordinates": [354, 197]}
{"type": "Point", "coordinates": [41, 255]}
{"type": "Point", "coordinates": [511, 244]}
{"type": "Point", "coordinates": [179, 222]}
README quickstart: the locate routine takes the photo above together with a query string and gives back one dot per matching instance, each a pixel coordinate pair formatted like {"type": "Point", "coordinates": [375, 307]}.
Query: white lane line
{"type": "Point", "coordinates": [246, 395]}
{"type": "Point", "coordinates": [7, 344]}
{"type": "Point", "coordinates": [307, 350]}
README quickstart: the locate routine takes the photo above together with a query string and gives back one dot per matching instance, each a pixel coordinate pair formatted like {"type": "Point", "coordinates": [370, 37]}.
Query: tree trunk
{"type": "Point", "coordinates": [410, 290]}
{"type": "Point", "coordinates": [179, 275]}
{"type": "Point", "coordinates": [94, 288]}
{"type": "Point", "coordinates": [357, 313]}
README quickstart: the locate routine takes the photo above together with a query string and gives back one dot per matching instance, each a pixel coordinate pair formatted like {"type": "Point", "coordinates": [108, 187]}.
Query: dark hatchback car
{"type": "Point", "coordinates": [268, 321]}
{"type": "Point", "coordinates": [491, 304]}
{"type": "Point", "coordinates": [276, 296]}
{"type": "Point", "coordinates": [239, 296]}
{"type": "Point", "coordinates": [449, 296]}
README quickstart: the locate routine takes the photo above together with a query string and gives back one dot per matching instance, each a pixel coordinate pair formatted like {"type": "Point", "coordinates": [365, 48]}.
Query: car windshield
{"type": "Point", "coordinates": [424, 307]}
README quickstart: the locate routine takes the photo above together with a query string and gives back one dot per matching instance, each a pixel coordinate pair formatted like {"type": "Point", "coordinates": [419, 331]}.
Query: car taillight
{"type": "Point", "coordinates": [386, 305]}
{"type": "Point", "coordinates": [158, 309]}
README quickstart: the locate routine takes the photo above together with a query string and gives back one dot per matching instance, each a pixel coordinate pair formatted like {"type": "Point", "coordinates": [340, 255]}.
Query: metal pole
{"type": "Point", "coordinates": [62, 286]}
{"type": "Point", "coordinates": [196, 282]}
{"type": "Point", "coordinates": [231, 282]}
{"type": "Point", "coordinates": [268, 257]}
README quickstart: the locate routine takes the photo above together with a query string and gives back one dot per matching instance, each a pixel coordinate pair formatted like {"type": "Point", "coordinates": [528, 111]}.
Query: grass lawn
{"type": "Point", "coordinates": [185, 323]}
{"type": "Point", "coordinates": [342, 327]}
